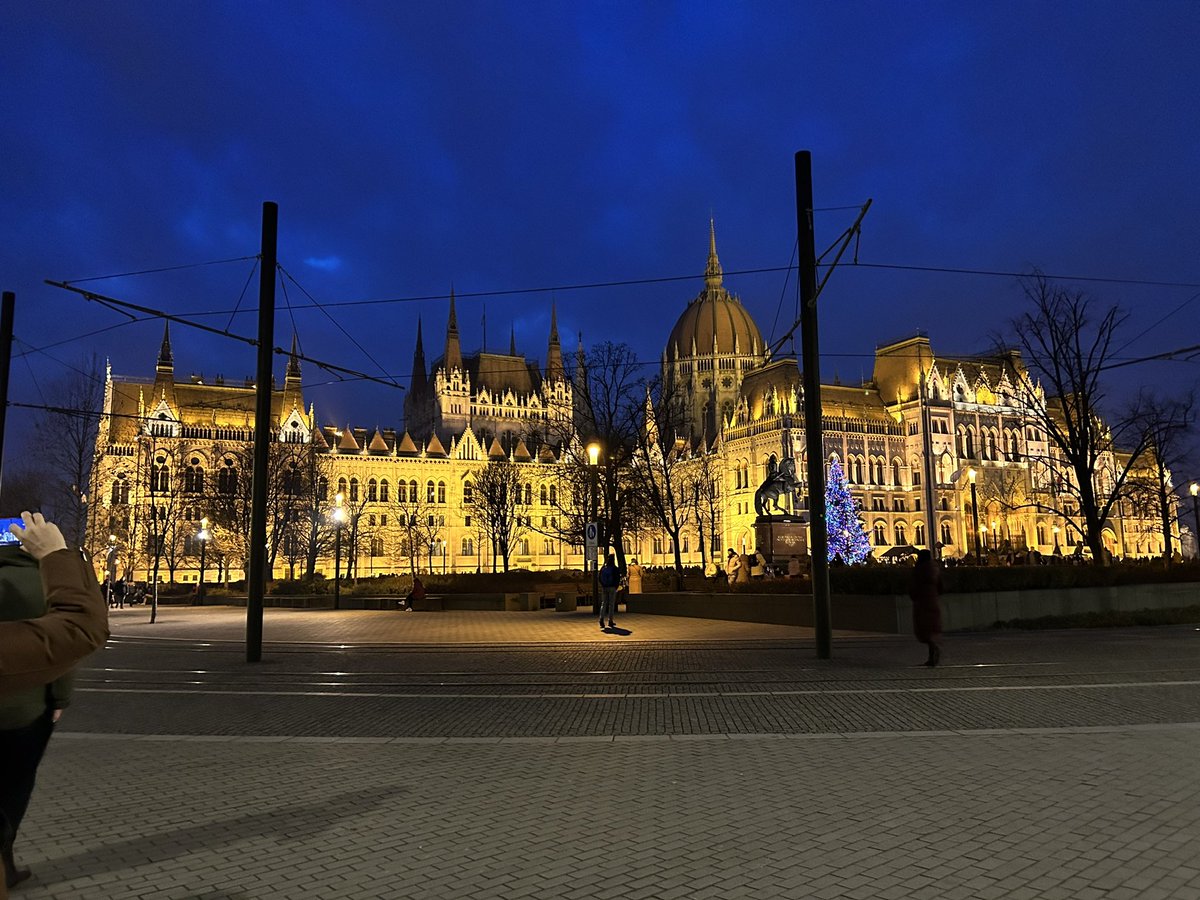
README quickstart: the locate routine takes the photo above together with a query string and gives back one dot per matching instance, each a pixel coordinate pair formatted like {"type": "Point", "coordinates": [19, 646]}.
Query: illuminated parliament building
{"type": "Point", "coordinates": [173, 456]}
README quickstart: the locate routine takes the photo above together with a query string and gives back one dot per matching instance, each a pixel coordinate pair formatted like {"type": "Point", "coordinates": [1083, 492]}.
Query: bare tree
{"type": "Point", "coordinates": [66, 446]}
{"type": "Point", "coordinates": [608, 408]}
{"type": "Point", "coordinates": [496, 500]}
{"type": "Point", "coordinates": [705, 499]}
{"type": "Point", "coordinates": [1066, 345]}
{"type": "Point", "coordinates": [660, 468]}
{"type": "Point", "coordinates": [1166, 424]}
{"type": "Point", "coordinates": [412, 512]}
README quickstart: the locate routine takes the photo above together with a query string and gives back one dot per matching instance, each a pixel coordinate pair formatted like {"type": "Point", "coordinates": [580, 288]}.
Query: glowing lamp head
{"type": "Point", "coordinates": [593, 452]}
{"type": "Point", "coordinates": [1195, 489]}
{"type": "Point", "coordinates": [971, 475]}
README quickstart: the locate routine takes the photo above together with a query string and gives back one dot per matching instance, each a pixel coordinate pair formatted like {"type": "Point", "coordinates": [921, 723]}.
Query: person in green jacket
{"type": "Point", "coordinates": [50, 612]}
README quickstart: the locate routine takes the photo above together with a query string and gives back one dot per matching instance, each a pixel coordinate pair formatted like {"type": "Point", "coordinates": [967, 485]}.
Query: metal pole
{"type": "Point", "coordinates": [596, 558]}
{"type": "Point", "coordinates": [200, 585]}
{"type": "Point", "coordinates": [337, 565]}
{"type": "Point", "coordinates": [975, 524]}
{"type": "Point", "coordinates": [257, 575]}
{"type": "Point", "coordinates": [7, 309]}
{"type": "Point", "coordinates": [814, 444]}
{"type": "Point", "coordinates": [1196, 513]}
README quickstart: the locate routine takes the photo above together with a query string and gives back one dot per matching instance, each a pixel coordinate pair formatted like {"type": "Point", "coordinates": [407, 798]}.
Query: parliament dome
{"type": "Point", "coordinates": [714, 323]}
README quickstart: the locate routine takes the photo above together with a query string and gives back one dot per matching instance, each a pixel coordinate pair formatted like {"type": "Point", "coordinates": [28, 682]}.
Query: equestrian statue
{"type": "Point", "coordinates": [781, 479]}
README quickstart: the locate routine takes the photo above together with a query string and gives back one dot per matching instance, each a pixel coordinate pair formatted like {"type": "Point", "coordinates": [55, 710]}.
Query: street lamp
{"type": "Point", "coordinates": [1194, 490]}
{"type": "Point", "coordinates": [1056, 530]}
{"type": "Point", "coordinates": [995, 535]}
{"type": "Point", "coordinates": [110, 565]}
{"type": "Point", "coordinates": [593, 452]}
{"type": "Point", "coordinates": [339, 516]}
{"type": "Point", "coordinates": [975, 515]}
{"type": "Point", "coordinates": [203, 536]}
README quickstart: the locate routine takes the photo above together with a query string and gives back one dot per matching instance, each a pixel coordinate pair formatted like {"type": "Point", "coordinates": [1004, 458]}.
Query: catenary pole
{"type": "Point", "coordinates": [256, 576]}
{"type": "Point", "coordinates": [7, 309]}
{"type": "Point", "coordinates": [811, 377]}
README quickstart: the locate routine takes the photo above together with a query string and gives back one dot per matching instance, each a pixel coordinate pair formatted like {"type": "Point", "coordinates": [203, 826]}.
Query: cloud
{"type": "Point", "coordinates": [325, 263]}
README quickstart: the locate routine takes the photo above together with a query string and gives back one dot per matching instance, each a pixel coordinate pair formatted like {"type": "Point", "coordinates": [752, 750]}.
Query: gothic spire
{"type": "Point", "coordinates": [712, 273]}
{"type": "Point", "coordinates": [554, 360]}
{"type": "Point", "coordinates": [293, 366]}
{"type": "Point", "coordinates": [453, 357]}
{"type": "Point", "coordinates": [512, 340]}
{"type": "Point", "coordinates": [166, 363]}
{"type": "Point", "coordinates": [417, 384]}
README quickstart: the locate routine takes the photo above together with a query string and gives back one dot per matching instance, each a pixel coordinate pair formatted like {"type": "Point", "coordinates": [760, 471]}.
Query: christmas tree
{"type": "Point", "coordinates": [847, 533]}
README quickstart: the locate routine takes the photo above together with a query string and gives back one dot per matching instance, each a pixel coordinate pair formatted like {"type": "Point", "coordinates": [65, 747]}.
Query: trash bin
{"type": "Point", "coordinates": [566, 601]}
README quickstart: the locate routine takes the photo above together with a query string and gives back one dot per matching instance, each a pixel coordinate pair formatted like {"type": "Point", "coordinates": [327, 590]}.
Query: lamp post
{"type": "Point", "coordinates": [995, 535]}
{"type": "Point", "coordinates": [1194, 490]}
{"type": "Point", "coordinates": [593, 452]}
{"type": "Point", "coordinates": [975, 516]}
{"type": "Point", "coordinates": [339, 517]}
{"type": "Point", "coordinates": [1056, 530]}
{"type": "Point", "coordinates": [203, 536]}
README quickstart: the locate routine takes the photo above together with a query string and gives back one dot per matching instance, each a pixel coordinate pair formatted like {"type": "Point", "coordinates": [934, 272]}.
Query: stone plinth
{"type": "Point", "coordinates": [781, 538]}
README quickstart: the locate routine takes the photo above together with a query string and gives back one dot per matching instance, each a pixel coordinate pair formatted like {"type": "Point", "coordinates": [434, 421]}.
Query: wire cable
{"type": "Point", "coordinates": [211, 262]}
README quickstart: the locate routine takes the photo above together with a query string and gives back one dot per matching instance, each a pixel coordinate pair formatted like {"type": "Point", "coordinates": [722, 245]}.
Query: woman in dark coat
{"type": "Point", "coordinates": [927, 611]}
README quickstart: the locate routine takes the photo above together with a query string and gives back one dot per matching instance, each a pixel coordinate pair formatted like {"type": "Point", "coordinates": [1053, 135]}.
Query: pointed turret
{"type": "Point", "coordinates": [166, 362]}
{"type": "Point", "coordinates": [420, 378]}
{"type": "Point", "coordinates": [292, 377]}
{"type": "Point", "coordinates": [512, 340]}
{"type": "Point", "coordinates": [347, 443]}
{"type": "Point", "coordinates": [712, 273]}
{"type": "Point", "coordinates": [554, 360]}
{"type": "Point", "coordinates": [453, 357]}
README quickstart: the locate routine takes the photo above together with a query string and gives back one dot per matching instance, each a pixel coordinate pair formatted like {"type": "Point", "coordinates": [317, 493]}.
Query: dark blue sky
{"type": "Point", "coordinates": [525, 145]}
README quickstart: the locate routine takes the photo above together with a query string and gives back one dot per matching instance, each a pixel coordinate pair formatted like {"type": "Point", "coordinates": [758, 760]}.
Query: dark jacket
{"type": "Point", "coordinates": [609, 575]}
{"type": "Point", "coordinates": [34, 652]}
{"type": "Point", "coordinates": [927, 610]}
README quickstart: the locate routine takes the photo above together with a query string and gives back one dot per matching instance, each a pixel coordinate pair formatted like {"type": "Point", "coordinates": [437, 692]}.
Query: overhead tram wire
{"type": "Point", "coordinates": [288, 275]}
{"type": "Point", "coordinates": [211, 262]}
{"type": "Point", "coordinates": [113, 302]}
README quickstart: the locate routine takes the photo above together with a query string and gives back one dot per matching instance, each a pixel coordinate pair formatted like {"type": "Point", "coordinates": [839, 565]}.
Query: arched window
{"type": "Point", "coordinates": [292, 481]}
{"type": "Point", "coordinates": [441, 494]}
{"type": "Point", "coordinates": [529, 495]}
{"type": "Point", "coordinates": [896, 472]}
{"type": "Point", "coordinates": [990, 437]}
{"type": "Point", "coordinates": [401, 491]}
{"type": "Point", "coordinates": [353, 490]}
{"type": "Point", "coordinates": [468, 493]}
{"type": "Point", "coordinates": [856, 471]}
{"type": "Point", "coordinates": [383, 491]}
{"type": "Point", "coordinates": [193, 477]}
{"type": "Point", "coordinates": [901, 534]}
{"type": "Point", "coordinates": [372, 491]}
{"type": "Point", "coordinates": [877, 472]}
{"type": "Point", "coordinates": [160, 477]}
{"type": "Point", "coordinates": [430, 491]}
{"type": "Point", "coordinates": [945, 503]}
{"type": "Point", "coordinates": [919, 535]}
{"type": "Point", "coordinates": [542, 495]}
{"type": "Point", "coordinates": [553, 495]}
{"type": "Point", "coordinates": [880, 538]}
{"type": "Point", "coordinates": [412, 491]}
{"type": "Point", "coordinates": [1041, 533]}
{"type": "Point", "coordinates": [946, 537]}
{"type": "Point", "coordinates": [377, 546]}
{"type": "Point", "coordinates": [1014, 447]}
{"type": "Point", "coordinates": [227, 478]}
{"type": "Point", "coordinates": [120, 489]}
{"type": "Point", "coordinates": [322, 487]}
{"type": "Point", "coordinates": [468, 547]}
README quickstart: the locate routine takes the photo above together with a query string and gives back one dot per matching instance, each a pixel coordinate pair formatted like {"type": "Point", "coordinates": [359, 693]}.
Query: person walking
{"type": "Point", "coordinates": [610, 579]}
{"type": "Point", "coordinates": [926, 609]}
{"type": "Point", "coordinates": [35, 564]}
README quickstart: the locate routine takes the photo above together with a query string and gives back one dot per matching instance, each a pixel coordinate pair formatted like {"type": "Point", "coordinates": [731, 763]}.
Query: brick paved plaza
{"type": "Point", "coordinates": [481, 755]}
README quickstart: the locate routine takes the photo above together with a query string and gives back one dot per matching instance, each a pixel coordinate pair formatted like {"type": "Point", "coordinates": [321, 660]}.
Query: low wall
{"type": "Point", "coordinates": [892, 614]}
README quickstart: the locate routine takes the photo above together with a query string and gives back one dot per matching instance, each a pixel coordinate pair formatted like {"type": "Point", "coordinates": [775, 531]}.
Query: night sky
{"type": "Point", "coordinates": [503, 146]}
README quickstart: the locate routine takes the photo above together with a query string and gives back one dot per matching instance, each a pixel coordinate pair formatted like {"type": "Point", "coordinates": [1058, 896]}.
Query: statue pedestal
{"type": "Point", "coordinates": [781, 537]}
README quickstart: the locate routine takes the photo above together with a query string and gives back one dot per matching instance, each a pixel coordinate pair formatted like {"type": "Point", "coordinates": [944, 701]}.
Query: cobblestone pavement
{"type": "Point", "coordinates": [697, 760]}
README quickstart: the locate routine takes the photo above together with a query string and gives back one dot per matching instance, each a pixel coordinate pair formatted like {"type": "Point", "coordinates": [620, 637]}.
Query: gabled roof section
{"type": "Point", "coordinates": [546, 455]}
{"type": "Point", "coordinates": [347, 443]}
{"type": "Point", "coordinates": [407, 446]}
{"type": "Point", "coordinates": [522, 453]}
{"type": "Point", "coordinates": [378, 444]}
{"type": "Point", "coordinates": [496, 451]}
{"type": "Point", "coordinates": [434, 447]}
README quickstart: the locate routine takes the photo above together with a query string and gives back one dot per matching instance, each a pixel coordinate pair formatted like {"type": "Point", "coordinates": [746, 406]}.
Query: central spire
{"type": "Point", "coordinates": [712, 274]}
{"type": "Point", "coordinates": [453, 356]}
{"type": "Point", "coordinates": [166, 363]}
